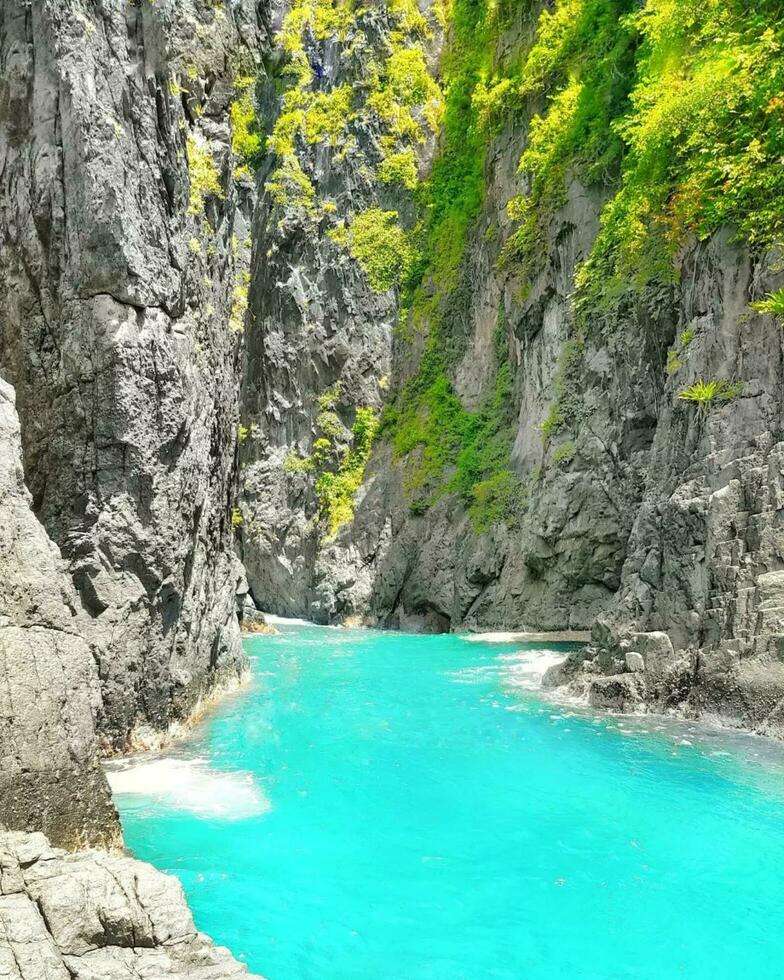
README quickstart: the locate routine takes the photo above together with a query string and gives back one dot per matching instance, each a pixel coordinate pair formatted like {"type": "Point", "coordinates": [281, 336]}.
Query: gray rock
{"type": "Point", "coordinates": [50, 696]}
{"type": "Point", "coordinates": [634, 661]}
{"type": "Point", "coordinates": [95, 916]}
{"type": "Point", "coordinates": [316, 323]}
{"type": "Point", "coordinates": [619, 692]}
{"type": "Point", "coordinates": [115, 304]}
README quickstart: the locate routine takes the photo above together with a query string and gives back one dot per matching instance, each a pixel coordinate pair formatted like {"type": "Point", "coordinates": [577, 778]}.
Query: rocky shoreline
{"type": "Point", "coordinates": [87, 912]}
{"type": "Point", "coordinates": [632, 672]}
{"type": "Point", "coordinates": [218, 390]}
{"type": "Point", "coordinates": [91, 915]}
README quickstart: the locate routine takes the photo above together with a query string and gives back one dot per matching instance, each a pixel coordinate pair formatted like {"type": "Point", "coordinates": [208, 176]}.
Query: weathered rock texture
{"type": "Point", "coordinates": [117, 286]}
{"type": "Point", "coordinates": [50, 778]}
{"type": "Point", "coordinates": [95, 916]}
{"type": "Point", "coordinates": [702, 588]}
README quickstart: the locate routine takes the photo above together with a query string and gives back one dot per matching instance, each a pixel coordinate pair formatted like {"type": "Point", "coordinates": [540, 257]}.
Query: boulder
{"type": "Point", "coordinates": [634, 661]}
{"type": "Point", "coordinates": [618, 692]}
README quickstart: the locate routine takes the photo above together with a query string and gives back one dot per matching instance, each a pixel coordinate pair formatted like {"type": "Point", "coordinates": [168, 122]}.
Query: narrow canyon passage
{"type": "Point", "coordinates": [383, 805]}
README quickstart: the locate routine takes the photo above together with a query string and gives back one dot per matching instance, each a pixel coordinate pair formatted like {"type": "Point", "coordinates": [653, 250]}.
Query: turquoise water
{"type": "Point", "coordinates": [382, 806]}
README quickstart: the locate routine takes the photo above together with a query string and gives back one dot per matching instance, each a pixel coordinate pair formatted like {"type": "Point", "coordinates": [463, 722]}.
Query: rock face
{"type": "Point", "coordinates": [95, 916]}
{"type": "Point", "coordinates": [121, 261]}
{"type": "Point", "coordinates": [50, 697]}
{"type": "Point", "coordinates": [319, 343]}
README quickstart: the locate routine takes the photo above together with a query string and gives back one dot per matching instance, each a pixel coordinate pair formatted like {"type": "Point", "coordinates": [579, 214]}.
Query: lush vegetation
{"type": "Point", "coordinates": [582, 64]}
{"type": "Point", "coordinates": [389, 90]}
{"type": "Point", "coordinates": [203, 174]}
{"type": "Point", "coordinates": [378, 243]}
{"type": "Point", "coordinates": [705, 393]}
{"type": "Point", "coordinates": [247, 142]}
{"type": "Point", "coordinates": [772, 305]}
{"type": "Point", "coordinates": [337, 462]}
{"type": "Point", "coordinates": [683, 98]}
{"type": "Point", "coordinates": [335, 488]}
{"type": "Point", "coordinates": [447, 448]}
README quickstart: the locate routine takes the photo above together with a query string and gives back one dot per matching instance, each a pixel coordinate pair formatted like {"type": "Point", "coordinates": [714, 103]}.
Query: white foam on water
{"type": "Point", "coordinates": [190, 785]}
{"type": "Point", "coordinates": [523, 669]}
{"type": "Point", "coordinates": [286, 621]}
{"type": "Point", "coordinates": [526, 668]}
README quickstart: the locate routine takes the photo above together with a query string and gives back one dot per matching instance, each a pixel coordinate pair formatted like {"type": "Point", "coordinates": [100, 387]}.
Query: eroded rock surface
{"type": "Point", "coordinates": [319, 325]}
{"type": "Point", "coordinates": [124, 245]}
{"type": "Point", "coordinates": [50, 697]}
{"type": "Point", "coordinates": [95, 916]}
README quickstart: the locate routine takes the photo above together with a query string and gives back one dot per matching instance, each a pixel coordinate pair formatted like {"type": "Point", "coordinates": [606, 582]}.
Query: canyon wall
{"type": "Point", "coordinates": [358, 109]}
{"type": "Point", "coordinates": [50, 779]}
{"type": "Point", "coordinates": [124, 251]}
{"type": "Point", "coordinates": [544, 459]}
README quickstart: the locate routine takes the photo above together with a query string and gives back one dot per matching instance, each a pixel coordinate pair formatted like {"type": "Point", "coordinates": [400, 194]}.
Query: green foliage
{"type": "Point", "coordinates": [339, 467]}
{"type": "Point", "coordinates": [450, 450]}
{"type": "Point", "coordinates": [674, 363]}
{"type": "Point", "coordinates": [772, 305]}
{"type": "Point", "coordinates": [564, 454]}
{"type": "Point", "coordinates": [704, 140]}
{"type": "Point", "coordinates": [687, 336]}
{"type": "Point", "coordinates": [674, 360]}
{"type": "Point", "coordinates": [294, 463]}
{"type": "Point", "coordinates": [203, 175]}
{"type": "Point", "coordinates": [393, 91]}
{"type": "Point", "coordinates": [400, 85]}
{"type": "Point", "coordinates": [452, 197]}
{"type": "Point", "coordinates": [379, 245]}
{"type": "Point", "coordinates": [329, 399]}
{"type": "Point", "coordinates": [399, 168]}
{"type": "Point", "coordinates": [704, 393]}
{"type": "Point", "coordinates": [500, 499]}
{"type": "Point", "coordinates": [677, 103]}
{"type": "Point", "coordinates": [565, 409]}
{"type": "Point", "coordinates": [242, 433]}
{"type": "Point", "coordinates": [247, 142]}
{"type": "Point", "coordinates": [335, 488]}
{"type": "Point", "coordinates": [236, 517]}
{"type": "Point", "coordinates": [582, 59]}
{"type": "Point", "coordinates": [239, 304]}
{"type": "Point", "coordinates": [329, 423]}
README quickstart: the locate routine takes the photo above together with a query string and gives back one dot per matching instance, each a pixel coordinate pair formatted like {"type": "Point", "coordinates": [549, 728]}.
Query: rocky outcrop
{"type": "Point", "coordinates": [95, 916]}
{"type": "Point", "coordinates": [50, 778]}
{"type": "Point", "coordinates": [124, 243]}
{"type": "Point", "coordinates": [697, 616]}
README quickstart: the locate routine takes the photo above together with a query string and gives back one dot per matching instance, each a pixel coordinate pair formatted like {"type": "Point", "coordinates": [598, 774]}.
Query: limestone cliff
{"type": "Point", "coordinates": [122, 261]}
{"type": "Point", "coordinates": [351, 111]}
{"type": "Point", "coordinates": [50, 779]}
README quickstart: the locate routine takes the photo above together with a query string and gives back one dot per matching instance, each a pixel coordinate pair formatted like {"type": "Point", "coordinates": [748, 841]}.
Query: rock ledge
{"type": "Point", "coordinates": [91, 915]}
